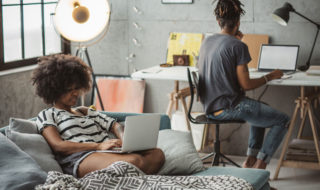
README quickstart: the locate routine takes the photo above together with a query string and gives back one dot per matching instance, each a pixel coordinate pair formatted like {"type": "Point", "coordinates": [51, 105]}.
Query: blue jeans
{"type": "Point", "coordinates": [260, 116]}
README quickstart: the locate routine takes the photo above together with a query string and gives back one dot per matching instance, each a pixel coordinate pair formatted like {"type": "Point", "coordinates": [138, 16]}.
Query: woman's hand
{"type": "Point", "coordinates": [118, 130]}
{"type": "Point", "coordinates": [109, 144]}
{"type": "Point", "coordinates": [83, 110]}
{"type": "Point", "coordinates": [239, 35]}
{"type": "Point", "coordinates": [276, 74]}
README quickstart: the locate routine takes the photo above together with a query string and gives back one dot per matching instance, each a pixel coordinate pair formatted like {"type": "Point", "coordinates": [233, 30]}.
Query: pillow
{"type": "Point", "coordinates": [17, 169]}
{"type": "Point", "coordinates": [23, 125]}
{"type": "Point", "coordinates": [181, 155]}
{"type": "Point", "coordinates": [37, 147]}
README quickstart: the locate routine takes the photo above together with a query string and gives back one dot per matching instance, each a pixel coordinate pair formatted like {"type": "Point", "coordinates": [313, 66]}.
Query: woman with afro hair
{"type": "Point", "coordinates": [76, 134]}
{"type": "Point", "coordinates": [224, 78]}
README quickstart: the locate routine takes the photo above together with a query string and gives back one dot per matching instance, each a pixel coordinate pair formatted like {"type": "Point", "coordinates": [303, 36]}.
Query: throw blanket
{"type": "Point", "coordinates": [122, 175]}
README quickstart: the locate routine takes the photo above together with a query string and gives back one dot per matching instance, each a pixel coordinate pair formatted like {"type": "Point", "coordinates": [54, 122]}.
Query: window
{"type": "Point", "coordinates": [27, 32]}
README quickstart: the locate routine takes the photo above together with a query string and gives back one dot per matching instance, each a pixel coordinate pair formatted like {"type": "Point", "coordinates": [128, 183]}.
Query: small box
{"type": "Point", "coordinates": [181, 60]}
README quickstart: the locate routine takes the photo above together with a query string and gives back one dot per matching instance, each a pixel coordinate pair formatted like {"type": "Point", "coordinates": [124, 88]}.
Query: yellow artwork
{"type": "Point", "coordinates": [184, 44]}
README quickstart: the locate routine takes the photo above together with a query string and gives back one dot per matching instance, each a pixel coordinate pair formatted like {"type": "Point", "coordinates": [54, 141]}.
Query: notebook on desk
{"type": "Point", "coordinates": [140, 133]}
{"type": "Point", "coordinates": [282, 57]}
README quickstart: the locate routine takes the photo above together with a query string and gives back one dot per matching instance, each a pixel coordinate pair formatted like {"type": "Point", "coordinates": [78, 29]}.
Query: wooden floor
{"type": "Point", "coordinates": [289, 178]}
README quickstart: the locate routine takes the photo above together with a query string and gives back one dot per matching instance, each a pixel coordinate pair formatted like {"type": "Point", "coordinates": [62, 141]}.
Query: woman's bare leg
{"type": "Point", "coordinates": [149, 161]}
{"type": "Point", "coordinates": [153, 160]}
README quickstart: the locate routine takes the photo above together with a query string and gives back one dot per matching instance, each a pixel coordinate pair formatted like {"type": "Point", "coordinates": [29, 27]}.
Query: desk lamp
{"type": "Point", "coordinates": [84, 23]}
{"type": "Point", "coordinates": [281, 16]}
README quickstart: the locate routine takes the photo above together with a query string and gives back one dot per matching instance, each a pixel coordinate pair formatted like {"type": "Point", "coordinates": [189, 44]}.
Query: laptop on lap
{"type": "Point", "coordinates": [282, 57]}
{"type": "Point", "coordinates": [140, 133]}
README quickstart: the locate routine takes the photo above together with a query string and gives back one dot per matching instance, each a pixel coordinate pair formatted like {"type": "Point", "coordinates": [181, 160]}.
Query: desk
{"type": "Point", "coordinates": [303, 103]}
{"type": "Point", "coordinates": [176, 74]}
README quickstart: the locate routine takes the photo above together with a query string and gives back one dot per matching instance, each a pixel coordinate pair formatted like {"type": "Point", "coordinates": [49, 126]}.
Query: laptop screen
{"type": "Point", "coordinates": [283, 57]}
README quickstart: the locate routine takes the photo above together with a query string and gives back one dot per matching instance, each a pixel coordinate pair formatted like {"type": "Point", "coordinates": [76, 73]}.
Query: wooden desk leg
{"type": "Point", "coordinates": [316, 100]}
{"type": "Point", "coordinates": [302, 96]}
{"type": "Point", "coordinates": [170, 105]}
{"type": "Point", "coordinates": [314, 131]}
{"type": "Point", "coordinates": [286, 142]}
{"type": "Point", "coordinates": [301, 127]}
{"type": "Point", "coordinates": [176, 90]}
{"type": "Point", "coordinates": [185, 111]}
{"type": "Point", "coordinates": [204, 136]}
{"type": "Point", "coordinates": [172, 99]}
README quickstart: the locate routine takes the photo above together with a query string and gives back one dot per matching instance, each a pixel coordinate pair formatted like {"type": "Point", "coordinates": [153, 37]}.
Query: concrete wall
{"type": "Point", "coordinates": [112, 54]}
{"type": "Point", "coordinates": [17, 97]}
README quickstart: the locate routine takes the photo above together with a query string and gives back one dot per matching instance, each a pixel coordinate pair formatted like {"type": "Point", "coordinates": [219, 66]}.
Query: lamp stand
{"type": "Point", "coordinates": [83, 52]}
{"type": "Point", "coordinates": [307, 65]}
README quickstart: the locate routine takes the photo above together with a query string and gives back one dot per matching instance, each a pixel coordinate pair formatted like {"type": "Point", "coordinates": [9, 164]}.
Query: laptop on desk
{"type": "Point", "coordinates": [140, 133]}
{"type": "Point", "coordinates": [282, 57]}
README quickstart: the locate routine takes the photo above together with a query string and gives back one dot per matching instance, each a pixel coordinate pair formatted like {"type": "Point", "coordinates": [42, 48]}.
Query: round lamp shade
{"type": "Point", "coordinates": [280, 20]}
{"type": "Point", "coordinates": [81, 20]}
{"type": "Point", "coordinates": [281, 15]}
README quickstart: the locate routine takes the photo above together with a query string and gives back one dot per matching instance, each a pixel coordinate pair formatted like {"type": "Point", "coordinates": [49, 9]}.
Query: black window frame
{"type": "Point", "coordinates": [65, 49]}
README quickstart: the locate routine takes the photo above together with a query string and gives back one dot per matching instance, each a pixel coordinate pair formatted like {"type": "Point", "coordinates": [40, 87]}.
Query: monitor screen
{"type": "Point", "coordinates": [283, 57]}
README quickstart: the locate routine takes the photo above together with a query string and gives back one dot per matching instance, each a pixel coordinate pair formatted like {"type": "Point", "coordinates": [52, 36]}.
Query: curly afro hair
{"type": "Point", "coordinates": [56, 74]}
{"type": "Point", "coordinates": [228, 13]}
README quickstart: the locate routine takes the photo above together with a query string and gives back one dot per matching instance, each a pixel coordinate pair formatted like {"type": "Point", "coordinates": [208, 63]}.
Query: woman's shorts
{"type": "Point", "coordinates": [70, 163]}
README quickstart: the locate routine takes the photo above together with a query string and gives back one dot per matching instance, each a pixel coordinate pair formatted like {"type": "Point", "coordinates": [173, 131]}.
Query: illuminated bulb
{"type": "Point", "coordinates": [81, 20]}
{"type": "Point", "coordinates": [80, 13]}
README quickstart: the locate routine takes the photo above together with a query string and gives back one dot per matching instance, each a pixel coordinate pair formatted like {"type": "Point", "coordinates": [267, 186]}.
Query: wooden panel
{"type": "Point", "coordinates": [254, 42]}
{"type": "Point", "coordinates": [121, 94]}
{"type": "Point", "coordinates": [301, 164]}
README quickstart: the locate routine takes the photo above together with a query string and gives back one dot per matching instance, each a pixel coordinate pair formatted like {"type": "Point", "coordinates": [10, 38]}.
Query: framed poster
{"type": "Point", "coordinates": [176, 1]}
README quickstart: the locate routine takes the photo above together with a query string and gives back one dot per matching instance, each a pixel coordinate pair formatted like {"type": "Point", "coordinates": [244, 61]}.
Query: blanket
{"type": "Point", "coordinates": [123, 175]}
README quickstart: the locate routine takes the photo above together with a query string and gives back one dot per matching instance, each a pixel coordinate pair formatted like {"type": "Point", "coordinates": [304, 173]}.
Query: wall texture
{"type": "Point", "coordinates": [17, 97]}
{"type": "Point", "coordinates": [117, 54]}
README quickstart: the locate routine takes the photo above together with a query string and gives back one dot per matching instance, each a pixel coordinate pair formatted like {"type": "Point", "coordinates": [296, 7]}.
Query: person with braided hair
{"type": "Point", "coordinates": [224, 78]}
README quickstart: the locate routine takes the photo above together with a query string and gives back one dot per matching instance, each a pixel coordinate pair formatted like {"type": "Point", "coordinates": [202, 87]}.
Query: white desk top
{"type": "Point", "coordinates": [179, 73]}
{"type": "Point", "coordinates": [298, 79]}
{"type": "Point", "coordinates": [164, 73]}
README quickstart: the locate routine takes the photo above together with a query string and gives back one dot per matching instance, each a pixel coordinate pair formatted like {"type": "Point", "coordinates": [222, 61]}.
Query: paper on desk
{"type": "Point", "coordinates": [284, 77]}
{"type": "Point", "coordinates": [313, 70]}
{"type": "Point", "coordinates": [151, 70]}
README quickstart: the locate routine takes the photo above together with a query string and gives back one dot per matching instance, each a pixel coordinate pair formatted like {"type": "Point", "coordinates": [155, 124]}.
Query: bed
{"type": "Point", "coordinates": [24, 167]}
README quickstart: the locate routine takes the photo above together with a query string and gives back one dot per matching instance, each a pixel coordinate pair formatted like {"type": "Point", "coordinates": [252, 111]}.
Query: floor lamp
{"type": "Point", "coordinates": [281, 16]}
{"type": "Point", "coordinates": [83, 23]}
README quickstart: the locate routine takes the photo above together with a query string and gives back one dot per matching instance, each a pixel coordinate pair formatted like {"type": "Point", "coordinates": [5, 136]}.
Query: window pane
{"type": "Point", "coordinates": [52, 39]}
{"type": "Point", "coordinates": [47, 1]}
{"type": "Point", "coordinates": [10, 2]}
{"type": "Point", "coordinates": [31, 1]}
{"type": "Point", "coordinates": [11, 33]}
{"type": "Point", "coordinates": [32, 29]}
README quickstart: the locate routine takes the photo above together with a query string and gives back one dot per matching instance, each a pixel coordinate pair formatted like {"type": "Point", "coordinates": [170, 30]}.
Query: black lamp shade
{"type": "Point", "coordinates": [281, 15]}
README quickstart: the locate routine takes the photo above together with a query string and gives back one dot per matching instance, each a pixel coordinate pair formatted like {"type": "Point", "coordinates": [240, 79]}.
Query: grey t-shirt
{"type": "Point", "coordinates": [218, 83]}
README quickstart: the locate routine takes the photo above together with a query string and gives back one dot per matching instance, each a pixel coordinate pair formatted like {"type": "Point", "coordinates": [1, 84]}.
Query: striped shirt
{"type": "Point", "coordinates": [94, 127]}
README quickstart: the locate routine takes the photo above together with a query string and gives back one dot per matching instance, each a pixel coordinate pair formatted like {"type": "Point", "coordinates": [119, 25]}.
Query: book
{"type": "Point", "coordinates": [313, 70]}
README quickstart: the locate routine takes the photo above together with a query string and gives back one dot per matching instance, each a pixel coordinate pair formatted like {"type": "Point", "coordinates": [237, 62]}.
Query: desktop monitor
{"type": "Point", "coordinates": [283, 57]}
